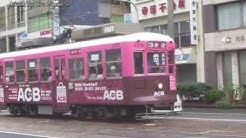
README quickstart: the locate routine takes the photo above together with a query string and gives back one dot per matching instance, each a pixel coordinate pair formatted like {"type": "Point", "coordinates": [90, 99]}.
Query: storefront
{"type": "Point", "coordinates": [153, 16]}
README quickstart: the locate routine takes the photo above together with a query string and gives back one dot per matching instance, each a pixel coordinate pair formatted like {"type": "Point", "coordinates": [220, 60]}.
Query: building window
{"type": "Point", "coordinates": [11, 17]}
{"type": "Point", "coordinates": [40, 22]}
{"type": "Point", "coordinates": [20, 14]}
{"type": "Point", "coordinates": [227, 69]}
{"type": "Point", "coordinates": [117, 18]}
{"type": "Point", "coordinates": [2, 19]}
{"type": "Point", "coordinates": [182, 34]}
{"type": "Point", "coordinates": [231, 15]}
{"type": "Point", "coordinates": [242, 68]}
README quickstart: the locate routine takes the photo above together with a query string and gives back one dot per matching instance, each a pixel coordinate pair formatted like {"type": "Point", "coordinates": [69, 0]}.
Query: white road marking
{"type": "Point", "coordinates": [213, 113]}
{"type": "Point", "coordinates": [207, 119]}
{"type": "Point", "coordinates": [16, 133]}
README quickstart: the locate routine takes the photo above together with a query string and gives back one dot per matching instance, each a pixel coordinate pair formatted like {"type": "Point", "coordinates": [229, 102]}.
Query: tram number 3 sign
{"type": "Point", "coordinates": [61, 93]}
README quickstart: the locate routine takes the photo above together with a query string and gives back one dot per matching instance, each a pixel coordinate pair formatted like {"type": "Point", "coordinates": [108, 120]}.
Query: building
{"type": "Point", "coordinates": [13, 22]}
{"type": "Point", "coordinates": [24, 20]}
{"type": "Point", "coordinates": [152, 14]}
{"type": "Point", "coordinates": [225, 43]}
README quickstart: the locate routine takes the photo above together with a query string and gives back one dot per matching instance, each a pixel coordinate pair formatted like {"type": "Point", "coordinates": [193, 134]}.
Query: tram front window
{"type": "Point", "coordinates": [156, 62]}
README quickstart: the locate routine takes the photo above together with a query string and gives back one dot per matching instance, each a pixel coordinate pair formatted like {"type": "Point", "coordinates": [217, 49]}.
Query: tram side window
{"type": "Point", "coordinates": [156, 62]}
{"type": "Point", "coordinates": [171, 60]}
{"type": "Point", "coordinates": [138, 62]}
{"type": "Point", "coordinates": [76, 68]}
{"type": "Point", "coordinates": [1, 73]}
{"type": "Point", "coordinates": [45, 69]}
{"type": "Point", "coordinates": [9, 71]}
{"type": "Point", "coordinates": [95, 65]}
{"type": "Point", "coordinates": [32, 70]}
{"type": "Point", "coordinates": [20, 70]}
{"type": "Point", "coordinates": [113, 63]}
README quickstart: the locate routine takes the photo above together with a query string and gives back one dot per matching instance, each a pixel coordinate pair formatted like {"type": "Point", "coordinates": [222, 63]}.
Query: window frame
{"type": "Point", "coordinates": [5, 72]}
{"type": "Point", "coordinates": [157, 66]}
{"type": "Point", "coordinates": [95, 65]}
{"type": "Point", "coordinates": [48, 79]}
{"type": "Point", "coordinates": [118, 74]}
{"type": "Point", "coordinates": [76, 60]}
{"type": "Point", "coordinates": [143, 63]}
{"type": "Point", "coordinates": [242, 18]}
{"type": "Point", "coordinates": [36, 68]}
{"type": "Point", "coordinates": [23, 69]}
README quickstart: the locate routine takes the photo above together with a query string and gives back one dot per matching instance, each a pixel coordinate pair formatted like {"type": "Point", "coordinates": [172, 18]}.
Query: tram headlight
{"type": "Point", "coordinates": [160, 85]}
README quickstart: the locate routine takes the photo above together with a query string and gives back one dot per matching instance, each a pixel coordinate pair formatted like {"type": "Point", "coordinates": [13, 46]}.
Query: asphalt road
{"type": "Point", "coordinates": [18, 135]}
{"type": "Point", "coordinates": [192, 123]}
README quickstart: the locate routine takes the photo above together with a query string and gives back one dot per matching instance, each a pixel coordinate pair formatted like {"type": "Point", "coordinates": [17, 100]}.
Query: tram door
{"type": "Point", "coordinates": [1, 84]}
{"type": "Point", "coordinates": [61, 95]}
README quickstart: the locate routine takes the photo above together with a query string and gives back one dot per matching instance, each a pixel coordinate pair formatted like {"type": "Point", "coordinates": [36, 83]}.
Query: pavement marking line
{"type": "Point", "coordinates": [203, 119]}
{"type": "Point", "coordinates": [16, 133]}
{"type": "Point", "coordinates": [213, 113]}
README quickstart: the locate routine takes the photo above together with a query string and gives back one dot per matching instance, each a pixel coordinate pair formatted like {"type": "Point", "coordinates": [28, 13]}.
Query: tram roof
{"type": "Point", "coordinates": [143, 36]}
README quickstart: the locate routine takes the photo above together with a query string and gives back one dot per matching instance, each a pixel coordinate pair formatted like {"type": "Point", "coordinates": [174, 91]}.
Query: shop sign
{"type": "Point", "coordinates": [162, 7]}
{"type": "Point", "coordinates": [127, 18]}
{"type": "Point", "coordinates": [193, 22]}
{"type": "Point", "coordinates": [182, 57]}
{"type": "Point", "coordinates": [45, 32]}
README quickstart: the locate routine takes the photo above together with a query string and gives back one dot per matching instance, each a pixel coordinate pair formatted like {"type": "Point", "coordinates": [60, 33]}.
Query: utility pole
{"type": "Point", "coordinates": [170, 26]}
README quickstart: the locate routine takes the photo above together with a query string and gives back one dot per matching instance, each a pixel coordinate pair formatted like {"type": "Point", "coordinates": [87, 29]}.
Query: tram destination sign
{"type": "Point", "coordinates": [75, 51]}
{"type": "Point", "coordinates": [156, 45]}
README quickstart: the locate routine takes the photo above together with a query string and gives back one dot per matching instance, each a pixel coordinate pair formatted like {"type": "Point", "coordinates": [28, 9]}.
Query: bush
{"type": "Point", "coordinates": [223, 104]}
{"type": "Point", "coordinates": [243, 93]}
{"type": "Point", "coordinates": [193, 90]}
{"type": "Point", "coordinates": [211, 96]}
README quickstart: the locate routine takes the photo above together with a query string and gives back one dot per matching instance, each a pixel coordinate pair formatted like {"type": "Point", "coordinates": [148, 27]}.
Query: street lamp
{"type": "Point", "coordinates": [129, 1]}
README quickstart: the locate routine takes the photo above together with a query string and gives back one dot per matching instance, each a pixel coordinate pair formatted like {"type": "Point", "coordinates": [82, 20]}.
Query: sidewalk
{"type": "Point", "coordinates": [199, 104]}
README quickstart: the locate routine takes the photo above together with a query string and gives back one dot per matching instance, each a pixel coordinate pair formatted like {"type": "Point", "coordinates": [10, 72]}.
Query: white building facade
{"type": "Point", "coordinates": [13, 23]}
{"type": "Point", "coordinates": [225, 42]}
{"type": "Point", "coordinates": [152, 14]}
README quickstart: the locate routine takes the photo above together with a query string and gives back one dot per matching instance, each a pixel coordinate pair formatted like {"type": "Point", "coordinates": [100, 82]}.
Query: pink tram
{"type": "Point", "coordinates": [108, 77]}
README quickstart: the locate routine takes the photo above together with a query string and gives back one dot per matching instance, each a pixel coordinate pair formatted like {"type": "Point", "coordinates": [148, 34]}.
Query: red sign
{"type": "Point", "coordinates": [45, 32]}
{"type": "Point", "coordinates": [162, 7]}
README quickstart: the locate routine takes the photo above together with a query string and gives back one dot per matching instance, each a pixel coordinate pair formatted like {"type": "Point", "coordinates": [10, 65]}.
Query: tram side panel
{"type": "Point", "coordinates": [34, 93]}
{"type": "Point", "coordinates": [150, 90]}
{"type": "Point", "coordinates": [97, 92]}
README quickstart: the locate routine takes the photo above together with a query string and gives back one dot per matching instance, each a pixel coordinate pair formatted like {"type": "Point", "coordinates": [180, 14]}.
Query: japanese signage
{"type": "Point", "coordinates": [159, 8]}
{"type": "Point", "coordinates": [56, 19]}
{"type": "Point", "coordinates": [193, 23]}
{"type": "Point", "coordinates": [75, 51]}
